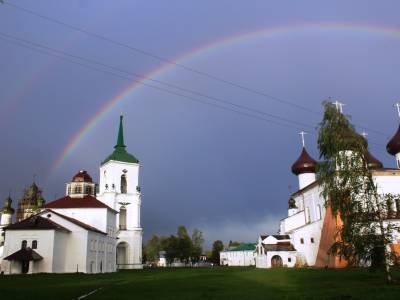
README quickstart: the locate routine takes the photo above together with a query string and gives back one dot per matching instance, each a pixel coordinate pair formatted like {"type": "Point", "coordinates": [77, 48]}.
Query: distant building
{"type": "Point", "coordinates": [79, 232]}
{"type": "Point", "coordinates": [162, 260]}
{"type": "Point", "coordinates": [242, 255]}
{"type": "Point", "coordinates": [30, 202]}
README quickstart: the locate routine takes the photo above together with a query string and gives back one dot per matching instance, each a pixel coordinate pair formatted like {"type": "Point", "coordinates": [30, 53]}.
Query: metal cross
{"type": "Point", "coordinates": [397, 105]}
{"type": "Point", "coordinates": [303, 133]}
{"type": "Point", "coordinates": [339, 106]}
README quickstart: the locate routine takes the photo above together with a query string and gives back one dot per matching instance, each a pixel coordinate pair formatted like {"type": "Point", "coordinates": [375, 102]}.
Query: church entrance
{"type": "Point", "coordinates": [276, 261]}
{"type": "Point", "coordinates": [24, 266]}
{"type": "Point", "coordinates": [122, 255]}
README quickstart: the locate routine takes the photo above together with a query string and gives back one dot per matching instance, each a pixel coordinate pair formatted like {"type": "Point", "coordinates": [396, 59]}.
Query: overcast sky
{"type": "Point", "coordinates": [225, 173]}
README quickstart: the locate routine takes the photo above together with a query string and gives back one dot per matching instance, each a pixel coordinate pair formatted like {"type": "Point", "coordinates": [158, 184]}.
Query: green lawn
{"type": "Point", "coordinates": [213, 283]}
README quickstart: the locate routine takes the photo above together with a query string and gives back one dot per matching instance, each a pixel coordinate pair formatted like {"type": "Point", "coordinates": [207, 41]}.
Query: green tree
{"type": "Point", "coordinates": [217, 247]}
{"type": "Point", "coordinates": [233, 244]}
{"type": "Point", "coordinates": [350, 191]}
{"type": "Point", "coordinates": [171, 248]}
{"type": "Point", "coordinates": [197, 245]}
{"type": "Point", "coordinates": [184, 244]}
{"type": "Point", "coordinates": [153, 248]}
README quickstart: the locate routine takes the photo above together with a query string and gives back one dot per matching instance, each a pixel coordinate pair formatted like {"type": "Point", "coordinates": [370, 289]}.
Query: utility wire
{"type": "Point", "coordinates": [171, 62]}
{"type": "Point", "coordinates": [63, 56]}
{"type": "Point", "coordinates": [43, 49]}
{"type": "Point", "coordinates": [159, 58]}
{"type": "Point", "coordinates": [146, 78]}
{"type": "Point", "coordinates": [151, 86]}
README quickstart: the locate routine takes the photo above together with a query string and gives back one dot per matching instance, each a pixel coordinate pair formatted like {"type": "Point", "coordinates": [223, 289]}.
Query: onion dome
{"type": "Point", "coordinates": [393, 147]}
{"type": "Point", "coordinates": [304, 164]}
{"type": "Point", "coordinates": [373, 162]}
{"type": "Point", "coordinates": [7, 209]}
{"type": "Point", "coordinates": [82, 176]}
{"type": "Point", "coordinates": [120, 153]}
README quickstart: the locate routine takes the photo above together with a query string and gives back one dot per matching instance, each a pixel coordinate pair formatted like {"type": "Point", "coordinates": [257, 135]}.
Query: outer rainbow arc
{"type": "Point", "coordinates": [216, 45]}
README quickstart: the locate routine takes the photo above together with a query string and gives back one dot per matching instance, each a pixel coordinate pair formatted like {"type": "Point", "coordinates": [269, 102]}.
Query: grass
{"type": "Point", "coordinates": [213, 283]}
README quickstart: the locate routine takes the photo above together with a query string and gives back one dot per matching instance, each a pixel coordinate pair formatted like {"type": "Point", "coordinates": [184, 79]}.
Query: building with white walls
{"type": "Point", "coordinates": [243, 255]}
{"type": "Point", "coordinates": [309, 228]}
{"type": "Point", "coordinates": [84, 231]}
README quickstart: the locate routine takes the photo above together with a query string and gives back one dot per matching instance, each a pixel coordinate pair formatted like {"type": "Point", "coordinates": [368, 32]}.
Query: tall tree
{"type": "Point", "coordinates": [153, 248]}
{"type": "Point", "coordinates": [184, 244]}
{"type": "Point", "coordinates": [171, 248]}
{"type": "Point", "coordinates": [197, 245]}
{"type": "Point", "coordinates": [217, 247]}
{"type": "Point", "coordinates": [351, 192]}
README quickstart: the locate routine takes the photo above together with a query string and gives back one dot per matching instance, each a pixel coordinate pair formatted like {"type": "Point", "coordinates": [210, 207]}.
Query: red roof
{"type": "Point", "coordinates": [304, 164]}
{"type": "Point", "coordinates": [24, 254]}
{"type": "Point", "coordinates": [35, 223]}
{"type": "Point", "coordinates": [84, 202]}
{"type": "Point", "coordinates": [82, 176]}
{"type": "Point", "coordinates": [393, 147]}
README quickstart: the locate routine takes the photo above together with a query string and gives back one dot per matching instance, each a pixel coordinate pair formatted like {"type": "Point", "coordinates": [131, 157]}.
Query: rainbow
{"type": "Point", "coordinates": [241, 37]}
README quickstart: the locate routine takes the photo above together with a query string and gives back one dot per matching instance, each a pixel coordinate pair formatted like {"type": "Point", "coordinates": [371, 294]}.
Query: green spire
{"type": "Point", "coordinates": [120, 153]}
{"type": "Point", "coordinates": [120, 139]}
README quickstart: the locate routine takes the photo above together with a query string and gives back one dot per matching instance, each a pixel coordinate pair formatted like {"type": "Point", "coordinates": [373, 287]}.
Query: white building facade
{"type": "Point", "coordinates": [84, 231]}
{"type": "Point", "coordinates": [244, 255]}
{"type": "Point", "coordinates": [310, 227]}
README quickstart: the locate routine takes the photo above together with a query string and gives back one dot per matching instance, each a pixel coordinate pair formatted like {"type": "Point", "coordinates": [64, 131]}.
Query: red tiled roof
{"type": "Point", "coordinates": [84, 202]}
{"type": "Point", "coordinates": [35, 223]}
{"type": "Point", "coordinates": [76, 222]}
{"type": "Point", "coordinates": [279, 247]}
{"type": "Point", "coordinates": [24, 254]}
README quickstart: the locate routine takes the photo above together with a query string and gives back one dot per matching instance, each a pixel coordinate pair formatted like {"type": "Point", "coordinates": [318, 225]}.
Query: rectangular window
{"type": "Point", "coordinates": [312, 240]}
{"type": "Point", "coordinates": [289, 259]}
{"type": "Point", "coordinates": [301, 241]}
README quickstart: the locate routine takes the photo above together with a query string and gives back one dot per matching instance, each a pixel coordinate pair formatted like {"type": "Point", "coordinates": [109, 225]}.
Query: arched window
{"type": "Point", "coordinates": [88, 190]}
{"type": "Point", "coordinates": [122, 218]}
{"type": "Point", "coordinates": [123, 184]}
{"type": "Point", "coordinates": [34, 244]}
{"type": "Point", "coordinates": [319, 212]}
{"type": "Point", "coordinates": [78, 189]}
{"type": "Point", "coordinates": [24, 244]}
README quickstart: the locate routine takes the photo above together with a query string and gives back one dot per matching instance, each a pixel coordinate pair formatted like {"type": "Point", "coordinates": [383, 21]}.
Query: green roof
{"type": "Point", "coordinates": [245, 247]}
{"type": "Point", "coordinates": [120, 153]}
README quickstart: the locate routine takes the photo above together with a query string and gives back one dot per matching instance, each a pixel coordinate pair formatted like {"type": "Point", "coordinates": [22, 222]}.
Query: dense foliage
{"type": "Point", "coordinates": [181, 247]}
{"type": "Point", "coordinates": [352, 194]}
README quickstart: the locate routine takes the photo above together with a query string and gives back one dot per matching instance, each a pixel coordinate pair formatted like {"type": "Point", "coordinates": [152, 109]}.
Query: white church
{"type": "Point", "coordinates": [308, 231]}
{"type": "Point", "coordinates": [85, 231]}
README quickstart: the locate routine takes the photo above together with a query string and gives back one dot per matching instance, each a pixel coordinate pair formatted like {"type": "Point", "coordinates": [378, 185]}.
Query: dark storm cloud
{"type": "Point", "coordinates": [202, 166]}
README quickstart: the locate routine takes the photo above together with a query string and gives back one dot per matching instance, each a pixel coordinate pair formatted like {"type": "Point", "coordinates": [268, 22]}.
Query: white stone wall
{"type": "Point", "coordinates": [45, 247]}
{"type": "Point", "coordinates": [237, 258]}
{"type": "Point", "coordinates": [110, 194]}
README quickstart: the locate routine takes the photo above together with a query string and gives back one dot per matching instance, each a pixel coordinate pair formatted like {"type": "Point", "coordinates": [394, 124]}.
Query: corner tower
{"type": "Point", "coordinates": [119, 189]}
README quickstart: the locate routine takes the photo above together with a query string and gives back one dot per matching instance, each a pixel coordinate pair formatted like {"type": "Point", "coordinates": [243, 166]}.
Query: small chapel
{"type": "Point", "coordinates": [94, 228]}
{"type": "Point", "coordinates": [308, 231]}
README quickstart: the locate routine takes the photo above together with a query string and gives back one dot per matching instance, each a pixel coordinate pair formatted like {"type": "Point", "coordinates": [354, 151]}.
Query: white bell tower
{"type": "Point", "coordinates": [119, 189]}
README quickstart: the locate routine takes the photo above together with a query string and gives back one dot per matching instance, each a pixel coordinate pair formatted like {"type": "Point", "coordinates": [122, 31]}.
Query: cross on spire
{"type": "Point", "coordinates": [303, 142]}
{"type": "Point", "coordinates": [397, 105]}
{"type": "Point", "coordinates": [339, 106]}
